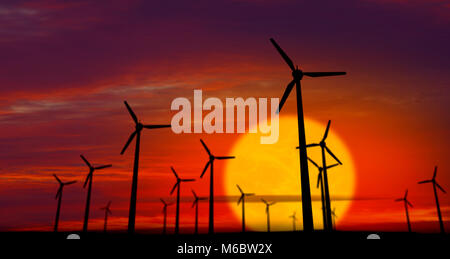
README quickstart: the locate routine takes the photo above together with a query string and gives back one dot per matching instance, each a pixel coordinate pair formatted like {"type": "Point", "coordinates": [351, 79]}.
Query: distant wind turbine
{"type": "Point", "coordinates": [59, 197]}
{"type": "Point", "coordinates": [435, 184]}
{"type": "Point", "coordinates": [165, 214]}
{"type": "Point", "coordinates": [89, 180]}
{"type": "Point", "coordinates": [297, 76]}
{"type": "Point", "coordinates": [210, 164]}
{"type": "Point", "coordinates": [136, 133]}
{"type": "Point", "coordinates": [242, 199]}
{"type": "Point", "coordinates": [323, 146]}
{"type": "Point", "coordinates": [107, 212]}
{"type": "Point", "coordinates": [195, 203]}
{"type": "Point", "coordinates": [407, 203]}
{"type": "Point", "coordinates": [177, 186]}
{"type": "Point", "coordinates": [322, 189]}
{"type": "Point", "coordinates": [268, 212]}
{"type": "Point", "coordinates": [294, 218]}
{"type": "Point", "coordinates": [333, 213]}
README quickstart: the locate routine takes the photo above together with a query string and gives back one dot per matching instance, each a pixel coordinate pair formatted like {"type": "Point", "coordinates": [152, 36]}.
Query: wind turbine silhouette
{"type": "Point", "coordinates": [59, 197]}
{"type": "Point", "coordinates": [435, 184]}
{"type": "Point", "coordinates": [407, 203]}
{"type": "Point", "coordinates": [137, 133]}
{"type": "Point", "coordinates": [210, 164]}
{"type": "Point", "coordinates": [242, 199]}
{"type": "Point", "coordinates": [195, 203]}
{"type": "Point", "coordinates": [297, 75]}
{"type": "Point", "coordinates": [165, 214]}
{"type": "Point", "coordinates": [177, 186]}
{"type": "Point", "coordinates": [323, 146]}
{"type": "Point", "coordinates": [333, 213]}
{"type": "Point", "coordinates": [294, 218]}
{"type": "Point", "coordinates": [107, 212]}
{"type": "Point", "coordinates": [322, 189]}
{"type": "Point", "coordinates": [89, 180]}
{"type": "Point", "coordinates": [268, 212]}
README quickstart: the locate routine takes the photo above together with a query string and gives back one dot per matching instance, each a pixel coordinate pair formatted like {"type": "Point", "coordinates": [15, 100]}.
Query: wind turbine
{"type": "Point", "coordinates": [323, 146]}
{"type": "Point", "coordinates": [297, 75]}
{"type": "Point", "coordinates": [165, 214]}
{"type": "Point", "coordinates": [333, 213]}
{"type": "Point", "coordinates": [89, 180]}
{"type": "Point", "coordinates": [107, 212]}
{"type": "Point", "coordinates": [322, 189]}
{"type": "Point", "coordinates": [136, 133]}
{"type": "Point", "coordinates": [407, 203]}
{"type": "Point", "coordinates": [294, 218]}
{"type": "Point", "coordinates": [210, 164]}
{"type": "Point", "coordinates": [242, 199]}
{"type": "Point", "coordinates": [59, 197]}
{"type": "Point", "coordinates": [268, 212]}
{"type": "Point", "coordinates": [177, 186]}
{"type": "Point", "coordinates": [435, 184]}
{"type": "Point", "coordinates": [195, 203]}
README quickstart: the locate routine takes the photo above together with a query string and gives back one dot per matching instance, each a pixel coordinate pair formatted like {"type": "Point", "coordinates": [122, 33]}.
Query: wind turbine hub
{"type": "Point", "coordinates": [322, 144]}
{"type": "Point", "coordinates": [297, 74]}
{"type": "Point", "coordinates": [139, 126]}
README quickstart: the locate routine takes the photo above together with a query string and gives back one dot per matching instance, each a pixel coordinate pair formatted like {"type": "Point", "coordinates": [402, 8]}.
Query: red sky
{"type": "Point", "coordinates": [65, 69]}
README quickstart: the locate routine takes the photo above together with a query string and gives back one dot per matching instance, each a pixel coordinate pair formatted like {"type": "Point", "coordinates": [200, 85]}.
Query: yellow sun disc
{"type": "Point", "coordinates": [273, 170]}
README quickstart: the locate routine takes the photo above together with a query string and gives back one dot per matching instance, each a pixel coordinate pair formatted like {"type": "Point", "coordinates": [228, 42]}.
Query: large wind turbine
{"type": "Point", "coordinates": [195, 203]}
{"type": "Point", "coordinates": [107, 212]}
{"type": "Point", "coordinates": [323, 146]}
{"type": "Point", "coordinates": [177, 186]}
{"type": "Point", "coordinates": [137, 133]}
{"type": "Point", "coordinates": [435, 184]}
{"type": "Point", "coordinates": [297, 75]}
{"type": "Point", "coordinates": [59, 197]}
{"type": "Point", "coordinates": [242, 199]}
{"type": "Point", "coordinates": [268, 212]}
{"type": "Point", "coordinates": [89, 179]}
{"type": "Point", "coordinates": [407, 203]}
{"type": "Point", "coordinates": [210, 164]}
{"type": "Point", "coordinates": [322, 189]}
{"type": "Point", "coordinates": [165, 214]}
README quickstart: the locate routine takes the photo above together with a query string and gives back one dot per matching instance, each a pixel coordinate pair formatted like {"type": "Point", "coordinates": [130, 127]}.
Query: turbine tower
{"type": "Point", "coordinates": [297, 75]}
{"type": "Point", "coordinates": [210, 164]}
{"type": "Point", "coordinates": [177, 186]}
{"type": "Point", "coordinates": [268, 212]}
{"type": "Point", "coordinates": [323, 146]}
{"type": "Point", "coordinates": [435, 184]}
{"type": "Point", "coordinates": [242, 199]}
{"type": "Point", "coordinates": [59, 197]}
{"type": "Point", "coordinates": [107, 212]}
{"type": "Point", "coordinates": [89, 180]}
{"type": "Point", "coordinates": [165, 214]}
{"type": "Point", "coordinates": [294, 218]}
{"type": "Point", "coordinates": [322, 190]}
{"type": "Point", "coordinates": [136, 133]}
{"type": "Point", "coordinates": [195, 203]}
{"type": "Point", "coordinates": [407, 203]}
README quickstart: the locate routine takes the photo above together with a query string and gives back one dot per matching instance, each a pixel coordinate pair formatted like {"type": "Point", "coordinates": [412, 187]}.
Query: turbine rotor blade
{"type": "Point", "coordinates": [57, 179]}
{"type": "Point", "coordinates": [319, 179]}
{"type": "Point", "coordinates": [128, 142]}
{"type": "Point", "coordinates": [285, 95]}
{"type": "Point", "coordinates": [331, 153]}
{"type": "Point", "coordinates": [409, 203]}
{"type": "Point", "coordinates": [206, 148]}
{"type": "Point", "coordinates": [187, 180]}
{"type": "Point", "coordinates": [426, 181]}
{"type": "Point", "coordinates": [85, 160]}
{"type": "Point", "coordinates": [193, 204]}
{"type": "Point", "coordinates": [174, 187]}
{"type": "Point", "coordinates": [331, 166]}
{"type": "Point", "coordinates": [442, 189]}
{"type": "Point", "coordinates": [163, 201]}
{"type": "Point", "coordinates": [311, 145]}
{"type": "Point", "coordinates": [435, 172]}
{"type": "Point", "coordinates": [264, 201]}
{"type": "Point", "coordinates": [69, 183]}
{"type": "Point", "coordinates": [195, 195]}
{"type": "Point", "coordinates": [283, 54]}
{"type": "Point", "coordinates": [157, 126]}
{"type": "Point", "coordinates": [240, 199]}
{"type": "Point", "coordinates": [87, 179]}
{"type": "Point", "coordinates": [314, 163]}
{"type": "Point", "coordinates": [401, 199]}
{"type": "Point", "coordinates": [206, 167]}
{"type": "Point", "coordinates": [58, 193]}
{"type": "Point", "coordinates": [175, 173]}
{"type": "Point", "coordinates": [249, 194]}
{"type": "Point", "coordinates": [326, 131]}
{"type": "Point", "coordinates": [102, 166]}
{"type": "Point", "coordinates": [239, 188]}
{"type": "Point", "coordinates": [320, 74]}
{"type": "Point", "coordinates": [225, 157]}
{"type": "Point", "coordinates": [131, 112]}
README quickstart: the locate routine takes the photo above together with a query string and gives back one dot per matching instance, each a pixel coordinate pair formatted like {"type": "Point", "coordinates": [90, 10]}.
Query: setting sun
{"type": "Point", "coordinates": [273, 171]}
